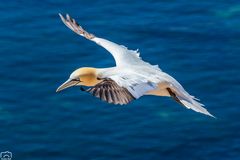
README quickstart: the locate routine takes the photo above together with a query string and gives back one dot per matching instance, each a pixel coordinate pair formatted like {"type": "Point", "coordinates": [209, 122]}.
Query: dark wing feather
{"type": "Point", "coordinates": [75, 27]}
{"type": "Point", "coordinates": [111, 92]}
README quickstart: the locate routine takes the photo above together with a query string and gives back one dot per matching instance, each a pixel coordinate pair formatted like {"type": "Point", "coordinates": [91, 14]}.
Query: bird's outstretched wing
{"type": "Point", "coordinates": [75, 27]}
{"type": "Point", "coordinates": [121, 54]}
{"type": "Point", "coordinates": [111, 92]}
{"type": "Point", "coordinates": [178, 93]}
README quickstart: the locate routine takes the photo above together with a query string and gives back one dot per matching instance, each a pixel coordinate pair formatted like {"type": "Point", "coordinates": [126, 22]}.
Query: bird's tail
{"type": "Point", "coordinates": [182, 97]}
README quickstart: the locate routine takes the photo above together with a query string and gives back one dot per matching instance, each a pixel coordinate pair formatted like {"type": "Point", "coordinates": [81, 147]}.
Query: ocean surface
{"type": "Point", "coordinates": [197, 42]}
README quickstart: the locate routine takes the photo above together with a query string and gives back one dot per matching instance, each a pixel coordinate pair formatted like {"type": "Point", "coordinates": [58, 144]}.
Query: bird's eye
{"type": "Point", "coordinates": [76, 80]}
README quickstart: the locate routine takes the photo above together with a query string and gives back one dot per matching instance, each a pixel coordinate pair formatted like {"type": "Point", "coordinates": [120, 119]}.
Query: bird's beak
{"type": "Point", "coordinates": [67, 84]}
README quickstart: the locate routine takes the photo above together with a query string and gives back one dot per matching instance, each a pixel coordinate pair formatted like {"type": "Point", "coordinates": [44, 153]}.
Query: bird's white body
{"type": "Point", "coordinates": [137, 76]}
{"type": "Point", "coordinates": [142, 78]}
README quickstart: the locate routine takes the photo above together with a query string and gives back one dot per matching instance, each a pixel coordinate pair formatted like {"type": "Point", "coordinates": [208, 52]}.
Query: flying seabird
{"type": "Point", "coordinates": [130, 79]}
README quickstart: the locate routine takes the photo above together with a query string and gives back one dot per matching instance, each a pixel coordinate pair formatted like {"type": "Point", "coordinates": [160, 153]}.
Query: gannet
{"type": "Point", "coordinates": [130, 79]}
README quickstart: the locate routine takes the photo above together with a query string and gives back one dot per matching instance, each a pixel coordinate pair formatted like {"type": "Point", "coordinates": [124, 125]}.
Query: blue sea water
{"type": "Point", "coordinates": [197, 42]}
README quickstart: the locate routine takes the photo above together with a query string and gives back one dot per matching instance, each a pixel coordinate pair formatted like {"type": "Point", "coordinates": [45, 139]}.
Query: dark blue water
{"type": "Point", "coordinates": [197, 42]}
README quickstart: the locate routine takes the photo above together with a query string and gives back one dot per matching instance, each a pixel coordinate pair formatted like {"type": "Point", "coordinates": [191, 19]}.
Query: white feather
{"type": "Point", "coordinates": [122, 55]}
{"type": "Point", "coordinates": [132, 73]}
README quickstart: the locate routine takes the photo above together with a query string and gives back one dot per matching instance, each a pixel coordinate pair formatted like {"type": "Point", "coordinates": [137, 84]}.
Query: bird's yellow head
{"type": "Point", "coordinates": [85, 76]}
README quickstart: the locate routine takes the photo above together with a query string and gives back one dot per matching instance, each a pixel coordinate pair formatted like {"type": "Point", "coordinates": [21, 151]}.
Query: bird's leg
{"type": "Point", "coordinates": [173, 95]}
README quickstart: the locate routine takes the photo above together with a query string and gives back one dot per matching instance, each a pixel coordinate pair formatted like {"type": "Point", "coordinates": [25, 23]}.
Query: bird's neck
{"type": "Point", "coordinates": [105, 72]}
